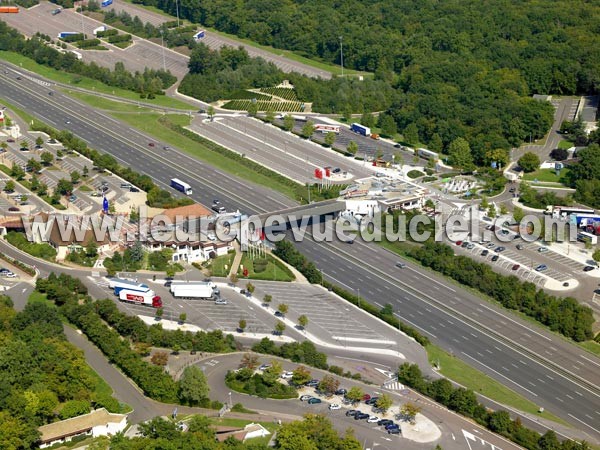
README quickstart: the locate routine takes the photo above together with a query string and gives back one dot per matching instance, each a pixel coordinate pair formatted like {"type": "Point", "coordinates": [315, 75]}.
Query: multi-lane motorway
{"type": "Point", "coordinates": [546, 369]}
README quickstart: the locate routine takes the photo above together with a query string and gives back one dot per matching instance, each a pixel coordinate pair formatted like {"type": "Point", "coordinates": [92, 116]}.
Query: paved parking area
{"type": "Point", "coordinates": [318, 306]}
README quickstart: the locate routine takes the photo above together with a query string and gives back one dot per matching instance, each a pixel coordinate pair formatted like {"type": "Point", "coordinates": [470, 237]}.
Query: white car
{"type": "Point", "coordinates": [8, 274]}
{"type": "Point", "coordinates": [334, 406]}
{"type": "Point", "coordinates": [373, 419]}
{"type": "Point", "coordinates": [287, 375]}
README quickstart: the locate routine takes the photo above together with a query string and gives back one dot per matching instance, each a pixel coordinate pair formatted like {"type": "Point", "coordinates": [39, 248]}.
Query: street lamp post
{"type": "Point", "coordinates": [177, 11]}
{"type": "Point", "coordinates": [342, 54]}
{"type": "Point", "coordinates": [230, 404]}
{"type": "Point", "coordinates": [162, 40]}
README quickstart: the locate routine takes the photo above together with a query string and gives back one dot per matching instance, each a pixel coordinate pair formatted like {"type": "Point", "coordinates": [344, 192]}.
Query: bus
{"type": "Point", "coordinates": [199, 35]}
{"type": "Point", "coordinates": [65, 34]}
{"type": "Point", "coordinates": [428, 154]}
{"type": "Point", "coordinates": [584, 237]}
{"type": "Point", "coordinates": [181, 186]}
{"type": "Point", "coordinates": [564, 211]}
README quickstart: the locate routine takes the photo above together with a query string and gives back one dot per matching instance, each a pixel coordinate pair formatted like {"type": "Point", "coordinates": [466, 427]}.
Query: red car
{"type": "Point", "coordinates": [10, 140]}
{"type": "Point", "coordinates": [366, 397]}
{"type": "Point", "coordinates": [516, 267]}
{"type": "Point", "coordinates": [459, 243]}
{"type": "Point", "coordinates": [150, 144]}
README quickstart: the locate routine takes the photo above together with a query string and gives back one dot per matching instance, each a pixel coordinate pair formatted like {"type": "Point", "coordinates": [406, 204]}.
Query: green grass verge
{"type": "Point", "coordinates": [547, 175]}
{"type": "Point", "coordinates": [88, 83]}
{"type": "Point", "coordinates": [591, 346]}
{"type": "Point", "coordinates": [565, 145]}
{"type": "Point", "coordinates": [272, 272]}
{"type": "Point", "coordinates": [219, 264]}
{"type": "Point", "coordinates": [102, 388]}
{"type": "Point", "coordinates": [229, 422]}
{"type": "Point", "coordinates": [38, 297]}
{"type": "Point", "coordinates": [105, 104]}
{"type": "Point", "coordinates": [149, 123]}
{"type": "Point", "coordinates": [462, 373]}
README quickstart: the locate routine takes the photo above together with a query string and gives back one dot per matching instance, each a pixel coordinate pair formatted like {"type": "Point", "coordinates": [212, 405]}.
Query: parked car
{"type": "Point", "coordinates": [516, 267]}
{"type": "Point", "coordinates": [391, 425]}
{"type": "Point", "coordinates": [314, 400]}
{"type": "Point", "coordinates": [384, 422]}
{"type": "Point", "coordinates": [312, 383]}
{"type": "Point", "coordinates": [543, 249]}
{"type": "Point", "coordinates": [519, 246]}
{"type": "Point", "coordinates": [305, 397]}
{"type": "Point", "coordinates": [335, 407]}
{"type": "Point", "coordinates": [588, 268]}
{"type": "Point", "coordinates": [499, 249]}
{"type": "Point", "coordinates": [287, 375]}
{"type": "Point", "coordinates": [495, 258]}
{"type": "Point", "coordinates": [485, 253]}
{"type": "Point", "coordinates": [372, 401]}
{"type": "Point", "coordinates": [151, 144]}
{"type": "Point", "coordinates": [264, 366]}
{"type": "Point", "coordinates": [220, 301]}
{"type": "Point", "coordinates": [373, 419]}
{"type": "Point", "coordinates": [361, 416]}
{"type": "Point", "coordinates": [341, 391]}
{"type": "Point", "coordinates": [459, 243]}
{"type": "Point", "coordinates": [465, 244]}
{"type": "Point", "coordinates": [394, 430]}
{"type": "Point", "coordinates": [541, 268]}
{"type": "Point", "coordinates": [366, 397]}
{"type": "Point", "coordinates": [470, 246]}
{"type": "Point", "coordinates": [352, 412]}
{"type": "Point", "coordinates": [491, 245]}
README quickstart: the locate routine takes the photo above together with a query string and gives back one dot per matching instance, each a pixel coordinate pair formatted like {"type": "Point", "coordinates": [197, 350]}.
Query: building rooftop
{"type": "Point", "coordinates": [78, 425]}
{"type": "Point", "coordinates": [194, 210]}
{"type": "Point", "coordinates": [385, 190]}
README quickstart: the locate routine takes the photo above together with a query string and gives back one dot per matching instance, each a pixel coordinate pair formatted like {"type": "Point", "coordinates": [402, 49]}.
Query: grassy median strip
{"type": "Point", "coordinates": [87, 83]}
{"type": "Point", "coordinates": [460, 372]}
{"type": "Point", "coordinates": [149, 123]}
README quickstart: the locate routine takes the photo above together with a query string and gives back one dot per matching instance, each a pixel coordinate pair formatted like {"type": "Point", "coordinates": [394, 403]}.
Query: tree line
{"type": "Point", "coordinates": [465, 402]}
{"type": "Point", "coordinates": [584, 175]}
{"type": "Point", "coordinates": [148, 82]}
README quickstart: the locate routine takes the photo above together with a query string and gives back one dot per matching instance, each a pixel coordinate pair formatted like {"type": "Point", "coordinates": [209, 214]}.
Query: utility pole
{"type": "Point", "coordinates": [177, 10]}
{"type": "Point", "coordinates": [342, 54]}
{"type": "Point", "coordinates": [162, 40]}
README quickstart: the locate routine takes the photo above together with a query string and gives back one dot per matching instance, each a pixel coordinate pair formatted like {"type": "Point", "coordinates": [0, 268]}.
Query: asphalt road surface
{"type": "Point", "coordinates": [369, 434]}
{"type": "Point", "coordinates": [546, 369]}
{"type": "Point", "coordinates": [216, 41]}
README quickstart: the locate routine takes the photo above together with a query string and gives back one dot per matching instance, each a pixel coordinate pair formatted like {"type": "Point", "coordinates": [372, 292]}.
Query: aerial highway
{"type": "Point", "coordinates": [550, 371]}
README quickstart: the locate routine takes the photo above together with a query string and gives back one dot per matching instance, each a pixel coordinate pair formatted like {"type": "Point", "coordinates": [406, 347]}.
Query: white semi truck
{"type": "Point", "coordinates": [194, 290]}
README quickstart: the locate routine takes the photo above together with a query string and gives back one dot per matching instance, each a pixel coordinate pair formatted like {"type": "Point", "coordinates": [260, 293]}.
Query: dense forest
{"type": "Point", "coordinates": [44, 378]}
{"type": "Point", "coordinates": [458, 68]}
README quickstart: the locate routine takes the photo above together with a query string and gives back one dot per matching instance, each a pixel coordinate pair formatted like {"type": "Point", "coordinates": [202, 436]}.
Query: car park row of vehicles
{"type": "Point", "coordinates": [7, 273]}
{"type": "Point", "coordinates": [389, 425]}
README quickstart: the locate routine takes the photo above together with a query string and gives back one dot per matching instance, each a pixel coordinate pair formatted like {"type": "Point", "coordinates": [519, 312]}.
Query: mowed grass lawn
{"type": "Point", "coordinates": [471, 378]}
{"type": "Point", "coordinates": [221, 265]}
{"type": "Point", "coordinates": [87, 83]}
{"type": "Point", "coordinates": [272, 271]}
{"type": "Point", "coordinates": [548, 176]}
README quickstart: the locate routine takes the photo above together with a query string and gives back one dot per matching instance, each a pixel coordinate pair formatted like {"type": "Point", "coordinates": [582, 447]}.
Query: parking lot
{"type": "Point", "coordinates": [334, 318]}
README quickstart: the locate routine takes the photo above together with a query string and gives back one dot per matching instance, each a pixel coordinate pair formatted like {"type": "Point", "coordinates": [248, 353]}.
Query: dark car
{"type": "Point", "coordinates": [312, 383]}
{"type": "Point", "coordinates": [341, 392]}
{"type": "Point", "coordinates": [372, 400]}
{"type": "Point", "coordinates": [391, 426]}
{"type": "Point", "coordinates": [394, 431]}
{"type": "Point", "coordinates": [278, 314]}
{"type": "Point", "coordinates": [588, 268]}
{"type": "Point", "coordinates": [352, 412]}
{"type": "Point", "coordinates": [516, 267]}
{"type": "Point", "coordinates": [151, 144]}
{"type": "Point", "coordinates": [499, 249]}
{"type": "Point", "coordinates": [385, 422]}
{"type": "Point", "coordinates": [313, 401]}
{"type": "Point", "coordinates": [133, 189]}
{"type": "Point", "coordinates": [361, 416]}
{"type": "Point", "coordinates": [485, 252]}
{"type": "Point", "coordinates": [495, 258]}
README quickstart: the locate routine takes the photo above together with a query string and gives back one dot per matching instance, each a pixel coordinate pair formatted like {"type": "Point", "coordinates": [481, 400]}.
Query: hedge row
{"type": "Point", "coordinates": [21, 265]}
{"type": "Point", "coordinates": [244, 105]}
{"type": "Point", "coordinates": [284, 93]}
{"type": "Point", "coordinates": [465, 402]}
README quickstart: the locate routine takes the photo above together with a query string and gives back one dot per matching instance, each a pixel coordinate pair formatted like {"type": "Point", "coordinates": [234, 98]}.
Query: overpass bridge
{"type": "Point", "coordinates": [316, 209]}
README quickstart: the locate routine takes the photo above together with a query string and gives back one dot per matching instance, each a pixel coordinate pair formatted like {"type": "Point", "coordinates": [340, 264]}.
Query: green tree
{"type": "Point", "coordinates": [64, 187]}
{"type": "Point", "coordinates": [485, 204]}
{"type": "Point", "coordinates": [242, 325]}
{"type": "Point", "coordinates": [233, 278]}
{"type": "Point", "coordinates": [460, 154]}
{"type": "Point", "coordinates": [267, 299]}
{"type": "Point", "coordinates": [250, 288]}
{"type": "Point", "coordinates": [411, 134]}
{"type": "Point", "coordinates": [279, 327]}
{"type": "Point", "coordinates": [596, 255]}
{"type": "Point", "coordinates": [355, 394]}
{"type": "Point", "coordinates": [17, 172]}
{"type": "Point", "coordinates": [75, 177]}
{"type": "Point", "coordinates": [210, 111]}
{"type": "Point", "coordinates": [9, 186]}
{"type": "Point", "coordinates": [387, 125]}
{"type": "Point", "coordinates": [384, 402]}
{"type": "Point", "coordinates": [436, 144]}
{"type": "Point", "coordinates": [518, 214]}
{"type": "Point", "coordinates": [272, 373]}
{"type": "Point", "coordinates": [270, 116]}
{"type": "Point", "coordinates": [491, 212]}
{"type": "Point", "coordinates": [308, 129]}
{"type": "Point", "coordinates": [410, 411]}
{"type": "Point", "coordinates": [329, 384]}
{"type": "Point", "coordinates": [253, 109]}
{"type": "Point", "coordinates": [352, 148]}
{"type": "Point", "coordinates": [42, 189]}
{"type": "Point", "coordinates": [503, 209]}
{"type": "Point", "coordinates": [302, 321]}
{"type": "Point", "coordinates": [498, 155]}
{"type": "Point", "coordinates": [330, 139]}
{"type": "Point", "coordinates": [182, 317]}
{"type": "Point", "coordinates": [500, 421]}
{"type": "Point", "coordinates": [283, 308]}
{"type": "Point", "coordinates": [347, 113]}
{"type": "Point", "coordinates": [288, 122]}
{"type": "Point", "coordinates": [301, 375]}
{"type": "Point", "coordinates": [39, 141]}
{"type": "Point", "coordinates": [86, 171]}
{"type": "Point", "coordinates": [367, 120]}
{"type": "Point", "coordinates": [34, 165]}
{"type": "Point", "coordinates": [47, 158]}
{"type": "Point", "coordinates": [91, 249]}
{"type": "Point", "coordinates": [159, 313]}
{"type": "Point", "coordinates": [74, 408]}
{"type": "Point", "coordinates": [399, 159]}
{"type": "Point", "coordinates": [193, 387]}
{"type": "Point", "coordinates": [529, 162]}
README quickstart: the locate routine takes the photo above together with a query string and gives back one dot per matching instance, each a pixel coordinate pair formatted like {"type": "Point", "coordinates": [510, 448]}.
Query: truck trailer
{"type": "Point", "coordinates": [142, 298]}
{"type": "Point", "coordinates": [360, 129]}
{"type": "Point", "coordinates": [193, 290]}
{"type": "Point", "coordinates": [118, 284]}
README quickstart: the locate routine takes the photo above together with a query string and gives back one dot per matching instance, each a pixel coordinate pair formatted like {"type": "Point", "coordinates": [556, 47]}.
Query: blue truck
{"type": "Point", "coordinates": [64, 34]}
{"type": "Point", "coordinates": [106, 3]}
{"type": "Point", "coordinates": [360, 129]}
